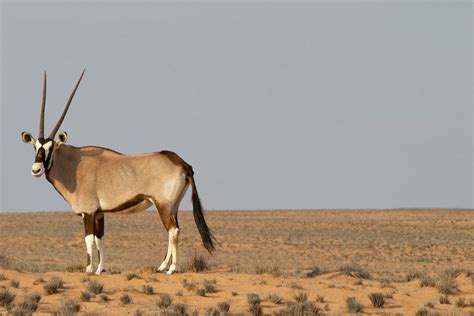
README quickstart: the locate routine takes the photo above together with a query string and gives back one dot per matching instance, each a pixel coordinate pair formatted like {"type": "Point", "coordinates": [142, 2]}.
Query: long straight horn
{"type": "Point", "coordinates": [43, 106]}
{"type": "Point", "coordinates": [61, 119]}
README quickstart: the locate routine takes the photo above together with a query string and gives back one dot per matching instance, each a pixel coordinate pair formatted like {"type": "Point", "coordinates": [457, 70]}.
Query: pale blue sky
{"type": "Point", "coordinates": [275, 104]}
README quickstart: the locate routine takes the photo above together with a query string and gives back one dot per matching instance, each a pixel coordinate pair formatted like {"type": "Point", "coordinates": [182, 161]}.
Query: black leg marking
{"type": "Point", "coordinates": [88, 224]}
{"type": "Point", "coordinates": [98, 255]}
{"type": "Point", "coordinates": [99, 225]}
{"type": "Point", "coordinates": [88, 260]}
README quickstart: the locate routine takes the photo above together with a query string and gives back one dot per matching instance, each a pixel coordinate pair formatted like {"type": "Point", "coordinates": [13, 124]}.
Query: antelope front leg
{"type": "Point", "coordinates": [99, 235]}
{"type": "Point", "coordinates": [89, 239]}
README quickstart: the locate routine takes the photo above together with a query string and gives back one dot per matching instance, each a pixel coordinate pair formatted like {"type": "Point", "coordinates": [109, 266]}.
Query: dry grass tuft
{"type": "Point", "coordinates": [353, 305]}
{"type": "Point", "coordinates": [54, 285]}
{"type": "Point", "coordinates": [148, 290]}
{"type": "Point", "coordinates": [446, 283]}
{"type": "Point", "coordinates": [223, 307]}
{"type": "Point", "coordinates": [15, 284]}
{"type": "Point", "coordinates": [95, 287]}
{"type": "Point", "coordinates": [131, 276]}
{"type": "Point", "coordinates": [125, 299]}
{"type": "Point", "coordinates": [180, 309]}
{"type": "Point", "coordinates": [355, 271]}
{"type": "Point", "coordinates": [165, 301]}
{"type": "Point", "coordinates": [85, 296]}
{"type": "Point", "coordinates": [444, 299]}
{"type": "Point", "coordinates": [377, 299]}
{"type": "Point", "coordinates": [275, 298]}
{"type": "Point", "coordinates": [27, 306]}
{"type": "Point", "coordinates": [67, 308]}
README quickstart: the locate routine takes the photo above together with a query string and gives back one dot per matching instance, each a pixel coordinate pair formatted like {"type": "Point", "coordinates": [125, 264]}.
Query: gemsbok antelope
{"type": "Point", "coordinates": [95, 180]}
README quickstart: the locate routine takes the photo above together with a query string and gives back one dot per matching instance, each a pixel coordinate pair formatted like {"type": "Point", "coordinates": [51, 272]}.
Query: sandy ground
{"type": "Point", "coordinates": [282, 246]}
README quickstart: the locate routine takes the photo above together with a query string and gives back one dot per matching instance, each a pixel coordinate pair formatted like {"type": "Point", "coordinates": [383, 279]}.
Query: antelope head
{"type": "Point", "coordinates": [44, 146]}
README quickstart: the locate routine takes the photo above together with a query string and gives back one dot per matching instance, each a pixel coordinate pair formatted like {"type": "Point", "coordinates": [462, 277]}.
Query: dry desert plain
{"type": "Point", "coordinates": [297, 262]}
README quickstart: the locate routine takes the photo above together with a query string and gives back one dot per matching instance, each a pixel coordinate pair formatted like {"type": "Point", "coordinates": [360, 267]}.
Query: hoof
{"type": "Point", "coordinates": [172, 269]}
{"type": "Point", "coordinates": [89, 269]}
{"type": "Point", "coordinates": [162, 267]}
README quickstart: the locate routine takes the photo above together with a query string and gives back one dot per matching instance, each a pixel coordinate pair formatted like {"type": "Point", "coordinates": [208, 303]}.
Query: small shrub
{"type": "Point", "coordinates": [2, 277]}
{"type": "Point", "coordinates": [85, 296]}
{"type": "Point", "coordinates": [422, 312]}
{"type": "Point", "coordinates": [54, 285]}
{"type": "Point", "coordinates": [429, 305]}
{"type": "Point", "coordinates": [295, 285]}
{"type": "Point", "coordinates": [15, 283]}
{"type": "Point", "coordinates": [446, 282]}
{"type": "Point", "coordinates": [164, 302]}
{"type": "Point", "coordinates": [148, 290]}
{"type": "Point", "coordinates": [180, 309]}
{"type": "Point", "coordinates": [412, 275]}
{"type": "Point", "coordinates": [223, 307]}
{"type": "Point", "coordinates": [426, 281]}
{"type": "Point", "coordinates": [353, 305]}
{"type": "Point", "coordinates": [234, 293]}
{"type": "Point", "coordinates": [187, 285]}
{"type": "Point", "coordinates": [38, 281]}
{"type": "Point", "coordinates": [461, 302]}
{"type": "Point", "coordinates": [301, 297]}
{"type": "Point", "coordinates": [314, 272]}
{"type": "Point", "coordinates": [28, 306]}
{"type": "Point", "coordinates": [212, 312]}
{"type": "Point", "coordinates": [300, 308]}
{"type": "Point", "coordinates": [95, 287]}
{"type": "Point", "coordinates": [273, 270]}
{"type": "Point", "coordinates": [255, 304]}
{"type": "Point", "coordinates": [125, 299]}
{"type": "Point", "coordinates": [6, 298]}
{"type": "Point", "coordinates": [199, 263]}
{"type": "Point", "coordinates": [444, 299]}
{"type": "Point", "coordinates": [178, 293]}
{"type": "Point", "coordinates": [275, 298]}
{"type": "Point", "coordinates": [104, 297]}
{"type": "Point", "coordinates": [138, 312]}
{"type": "Point", "coordinates": [67, 308]}
{"type": "Point", "coordinates": [320, 299]}
{"type": "Point", "coordinates": [377, 299]}
{"type": "Point", "coordinates": [209, 286]}
{"type": "Point", "coordinates": [131, 276]}
{"type": "Point", "coordinates": [75, 268]}
{"type": "Point", "coordinates": [201, 292]}
{"type": "Point", "coordinates": [355, 271]}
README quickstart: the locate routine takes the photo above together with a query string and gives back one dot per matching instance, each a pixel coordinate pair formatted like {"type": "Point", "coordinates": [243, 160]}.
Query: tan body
{"type": "Point", "coordinates": [93, 179]}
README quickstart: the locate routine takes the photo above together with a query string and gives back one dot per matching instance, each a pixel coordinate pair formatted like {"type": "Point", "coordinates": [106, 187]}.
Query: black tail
{"type": "Point", "coordinates": [206, 234]}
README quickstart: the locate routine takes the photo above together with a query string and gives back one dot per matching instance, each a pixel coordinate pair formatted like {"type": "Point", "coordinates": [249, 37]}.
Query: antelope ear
{"type": "Point", "coordinates": [27, 138]}
{"type": "Point", "coordinates": [62, 138]}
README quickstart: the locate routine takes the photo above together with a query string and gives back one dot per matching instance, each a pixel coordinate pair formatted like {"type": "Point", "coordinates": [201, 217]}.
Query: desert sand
{"type": "Point", "coordinates": [408, 256]}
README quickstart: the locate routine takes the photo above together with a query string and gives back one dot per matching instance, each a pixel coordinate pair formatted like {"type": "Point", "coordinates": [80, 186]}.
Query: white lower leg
{"type": "Point", "coordinates": [173, 235]}
{"type": "Point", "coordinates": [167, 260]}
{"type": "Point", "coordinates": [99, 242]}
{"type": "Point", "coordinates": [89, 239]}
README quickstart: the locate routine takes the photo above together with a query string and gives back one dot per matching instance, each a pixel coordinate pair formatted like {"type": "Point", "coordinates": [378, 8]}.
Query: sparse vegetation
{"type": "Point", "coordinates": [275, 298]}
{"type": "Point", "coordinates": [67, 308]}
{"type": "Point", "coordinates": [429, 305]}
{"type": "Point", "coordinates": [412, 275]}
{"type": "Point", "coordinates": [104, 297]}
{"type": "Point", "coordinates": [125, 299]}
{"type": "Point", "coordinates": [355, 271]}
{"type": "Point", "coordinates": [422, 312]}
{"type": "Point", "coordinates": [446, 282]}
{"type": "Point", "coordinates": [148, 289]}
{"type": "Point", "coordinates": [223, 307]}
{"type": "Point", "coordinates": [180, 309]}
{"type": "Point", "coordinates": [353, 305]}
{"type": "Point", "coordinates": [301, 297]}
{"type": "Point", "coordinates": [444, 299]}
{"type": "Point", "coordinates": [209, 286]}
{"type": "Point", "coordinates": [461, 302]}
{"type": "Point", "coordinates": [95, 287]}
{"type": "Point", "coordinates": [273, 270]}
{"type": "Point", "coordinates": [85, 296]}
{"type": "Point", "coordinates": [190, 286]}
{"type": "Point", "coordinates": [300, 308]}
{"type": "Point", "coordinates": [255, 304]}
{"type": "Point", "coordinates": [201, 292]}
{"type": "Point", "coordinates": [319, 299]}
{"type": "Point", "coordinates": [198, 263]}
{"type": "Point", "coordinates": [178, 293]}
{"type": "Point", "coordinates": [27, 306]}
{"type": "Point", "coordinates": [131, 276]}
{"type": "Point", "coordinates": [377, 299]}
{"type": "Point", "coordinates": [2, 277]}
{"type": "Point", "coordinates": [15, 284]}
{"type": "Point", "coordinates": [314, 272]}
{"type": "Point", "coordinates": [54, 285]}
{"type": "Point", "coordinates": [6, 298]}
{"type": "Point", "coordinates": [164, 302]}
{"type": "Point", "coordinates": [426, 281]}
{"type": "Point", "coordinates": [75, 268]}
